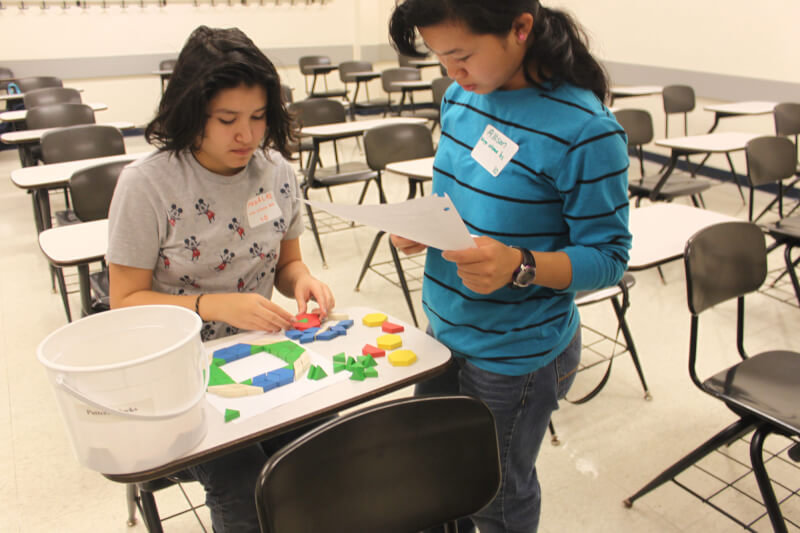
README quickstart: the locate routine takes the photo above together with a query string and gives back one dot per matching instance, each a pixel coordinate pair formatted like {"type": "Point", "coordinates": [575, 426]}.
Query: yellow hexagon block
{"type": "Point", "coordinates": [389, 341]}
{"type": "Point", "coordinates": [402, 357]}
{"type": "Point", "coordinates": [373, 320]}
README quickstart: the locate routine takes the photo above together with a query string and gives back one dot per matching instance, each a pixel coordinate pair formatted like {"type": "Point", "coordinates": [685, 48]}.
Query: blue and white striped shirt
{"type": "Point", "coordinates": [564, 190]}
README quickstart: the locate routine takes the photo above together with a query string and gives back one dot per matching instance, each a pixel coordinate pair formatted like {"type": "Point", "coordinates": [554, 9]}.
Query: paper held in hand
{"type": "Point", "coordinates": [430, 220]}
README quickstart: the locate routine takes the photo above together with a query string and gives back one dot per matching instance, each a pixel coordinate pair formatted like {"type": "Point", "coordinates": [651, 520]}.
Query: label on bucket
{"type": "Point", "coordinates": [88, 413]}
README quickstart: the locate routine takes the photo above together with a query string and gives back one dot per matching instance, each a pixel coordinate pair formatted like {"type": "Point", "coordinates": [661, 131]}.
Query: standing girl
{"type": "Point", "coordinates": [211, 221]}
{"type": "Point", "coordinates": [537, 167]}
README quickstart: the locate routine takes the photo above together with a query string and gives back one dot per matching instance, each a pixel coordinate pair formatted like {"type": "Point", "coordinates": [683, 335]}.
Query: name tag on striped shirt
{"type": "Point", "coordinates": [494, 150]}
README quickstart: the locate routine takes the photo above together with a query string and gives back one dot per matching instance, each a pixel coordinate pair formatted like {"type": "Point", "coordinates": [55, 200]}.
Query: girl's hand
{"type": "Point", "coordinates": [486, 268]}
{"type": "Point", "coordinates": [307, 288]}
{"type": "Point", "coordinates": [407, 246]}
{"type": "Point", "coordinates": [248, 311]}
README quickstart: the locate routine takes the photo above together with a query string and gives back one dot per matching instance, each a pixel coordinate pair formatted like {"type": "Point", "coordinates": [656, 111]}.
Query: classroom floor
{"type": "Point", "coordinates": [609, 447]}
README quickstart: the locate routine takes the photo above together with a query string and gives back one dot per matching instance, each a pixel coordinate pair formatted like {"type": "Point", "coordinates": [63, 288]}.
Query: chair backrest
{"type": "Point", "coordinates": [81, 142]}
{"type": "Point", "coordinates": [91, 190]}
{"type": "Point", "coordinates": [38, 82]}
{"type": "Point", "coordinates": [638, 125]}
{"type": "Point", "coordinates": [6, 77]}
{"type": "Point", "coordinates": [51, 95]}
{"type": "Point", "coordinates": [59, 115]}
{"type": "Point", "coordinates": [306, 62]}
{"type": "Point", "coordinates": [770, 159]}
{"type": "Point", "coordinates": [399, 466]}
{"type": "Point", "coordinates": [167, 64]}
{"type": "Point", "coordinates": [317, 111]}
{"type": "Point", "coordinates": [391, 75]}
{"type": "Point", "coordinates": [787, 118]}
{"type": "Point", "coordinates": [678, 99]}
{"type": "Point", "coordinates": [397, 142]}
{"type": "Point", "coordinates": [439, 87]}
{"type": "Point", "coordinates": [346, 67]}
{"type": "Point", "coordinates": [722, 262]}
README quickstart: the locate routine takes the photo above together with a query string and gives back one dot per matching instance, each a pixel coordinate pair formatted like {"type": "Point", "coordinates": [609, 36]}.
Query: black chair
{"type": "Point", "coordinates": [638, 126]}
{"type": "Point", "coordinates": [388, 144]}
{"type": "Point", "coordinates": [723, 262]}
{"type": "Point", "coordinates": [315, 112]}
{"type": "Point", "coordinates": [59, 115]}
{"type": "Point", "coordinates": [51, 95]}
{"type": "Point", "coordinates": [345, 173]}
{"type": "Point", "coordinates": [166, 66]}
{"type": "Point", "coordinates": [770, 160]}
{"type": "Point", "coordinates": [678, 99]}
{"type": "Point", "coordinates": [72, 144]}
{"type": "Point", "coordinates": [287, 94]}
{"type": "Point", "coordinates": [316, 66]}
{"type": "Point", "coordinates": [439, 87]}
{"type": "Point", "coordinates": [38, 82]}
{"type": "Point", "coordinates": [6, 77]}
{"type": "Point", "coordinates": [347, 71]}
{"type": "Point", "coordinates": [787, 124]}
{"type": "Point", "coordinates": [399, 466]}
{"type": "Point", "coordinates": [392, 75]}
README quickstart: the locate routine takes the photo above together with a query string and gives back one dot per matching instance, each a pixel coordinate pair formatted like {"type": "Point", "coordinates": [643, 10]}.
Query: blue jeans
{"type": "Point", "coordinates": [230, 483]}
{"type": "Point", "coordinates": [521, 406]}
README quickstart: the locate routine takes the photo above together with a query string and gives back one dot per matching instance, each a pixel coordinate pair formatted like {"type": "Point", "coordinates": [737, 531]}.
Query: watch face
{"type": "Point", "coordinates": [525, 276]}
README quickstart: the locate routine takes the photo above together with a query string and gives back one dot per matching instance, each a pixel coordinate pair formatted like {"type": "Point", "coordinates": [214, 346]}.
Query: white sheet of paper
{"type": "Point", "coordinates": [430, 220]}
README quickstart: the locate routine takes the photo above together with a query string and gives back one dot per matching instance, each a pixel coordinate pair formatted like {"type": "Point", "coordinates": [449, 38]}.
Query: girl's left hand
{"type": "Point", "coordinates": [486, 268]}
{"type": "Point", "coordinates": [308, 287]}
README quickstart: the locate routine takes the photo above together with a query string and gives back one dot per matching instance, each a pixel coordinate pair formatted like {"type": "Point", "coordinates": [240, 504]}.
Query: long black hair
{"type": "Point", "coordinates": [557, 45]}
{"type": "Point", "coordinates": [212, 60]}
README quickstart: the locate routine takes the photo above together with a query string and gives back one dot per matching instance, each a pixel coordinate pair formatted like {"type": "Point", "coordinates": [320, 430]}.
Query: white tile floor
{"type": "Point", "coordinates": [609, 448]}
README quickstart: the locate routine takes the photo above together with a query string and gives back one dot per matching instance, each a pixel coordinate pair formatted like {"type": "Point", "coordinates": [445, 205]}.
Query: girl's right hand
{"type": "Point", "coordinates": [248, 311]}
{"type": "Point", "coordinates": [407, 246]}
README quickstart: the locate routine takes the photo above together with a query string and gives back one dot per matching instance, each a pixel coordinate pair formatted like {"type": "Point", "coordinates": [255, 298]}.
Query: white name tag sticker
{"type": "Point", "coordinates": [494, 150]}
{"type": "Point", "coordinates": [262, 208]}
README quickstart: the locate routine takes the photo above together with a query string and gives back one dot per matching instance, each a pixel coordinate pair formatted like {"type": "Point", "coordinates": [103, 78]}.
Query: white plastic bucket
{"type": "Point", "coordinates": [130, 384]}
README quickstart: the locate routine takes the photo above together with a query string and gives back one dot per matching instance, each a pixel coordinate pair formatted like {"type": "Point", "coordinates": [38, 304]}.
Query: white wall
{"type": "Point", "coordinates": [729, 37]}
{"type": "Point", "coordinates": [56, 33]}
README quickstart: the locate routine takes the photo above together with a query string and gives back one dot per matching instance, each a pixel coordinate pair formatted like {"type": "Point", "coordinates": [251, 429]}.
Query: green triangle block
{"type": "Point", "coordinates": [316, 373]}
{"type": "Point", "coordinates": [218, 362]}
{"type": "Point", "coordinates": [339, 357]}
{"type": "Point", "coordinates": [338, 367]}
{"type": "Point", "coordinates": [248, 381]}
{"type": "Point", "coordinates": [371, 372]}
{"type": "Point", "coordinates": [219, 377]}
{"type": "Point", "coordinates": [366, 361]}
{"type": "Point", "coordinates": [352, 363]}
{"type": "Point", "coordinates": [285, 350]}
{"type": "Point", "coordinates": [231, 414]}
{"type": "Point", "coordinates": [357, 374]}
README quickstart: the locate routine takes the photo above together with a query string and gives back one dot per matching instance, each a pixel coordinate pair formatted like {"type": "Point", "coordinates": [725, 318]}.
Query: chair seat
{"type": "Point", "coordinates": [348, 172]}
{"type": "Point", "coordinates": [678, 184]}
{"type": "Point", "coordinates": [598, 295]}
{"type": "Point", "coordinates": [766, 385]}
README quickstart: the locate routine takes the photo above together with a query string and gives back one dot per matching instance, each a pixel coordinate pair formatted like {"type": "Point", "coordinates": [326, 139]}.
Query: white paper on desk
{"type": "Point", "coordinates": [430, 220]}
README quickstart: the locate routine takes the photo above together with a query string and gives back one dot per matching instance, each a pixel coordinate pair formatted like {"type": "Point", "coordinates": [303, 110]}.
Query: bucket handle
{"type": "Point", "coordinates": [62, 382]}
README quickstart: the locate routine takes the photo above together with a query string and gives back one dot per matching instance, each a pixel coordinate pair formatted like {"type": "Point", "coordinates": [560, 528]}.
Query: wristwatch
{"type": "Point", "coordinates": [525, 273]}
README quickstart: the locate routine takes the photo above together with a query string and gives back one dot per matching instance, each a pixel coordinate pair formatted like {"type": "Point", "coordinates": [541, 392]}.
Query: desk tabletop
{"type": "Point", "coordinates": [222, 438]}
{"type": "Point", "coordinates": [635, 90]}
{"type": "Point", "coordinates": [413, 84]}
{"type": "Point", "coordinates": [660, 232]}
{"type": "Point", "coordinates": [356, 126]}
{"type": "Point", "coordinates": [419, 63]}
{"type": "Point", "coordinates": [75, 244]}
{"type": "Point", "coordinates": [162, 72]}
{"type": "Point", "coordinates": [58, 174]}
{"type": "Point", "coordinates": [19, 96]}
{"type": "Point", "coordinates": [755, 107]}
{"type": "Point", "coordinates": [361, 75]}
{"type": "Point", "coordinates": [728, 141]}
{"type": "Point", "coordinates": [421, 168]}
{"type": "Point", "coordinates": [31, 136]}
{"type": "Point", "coordinates": [20, 114]}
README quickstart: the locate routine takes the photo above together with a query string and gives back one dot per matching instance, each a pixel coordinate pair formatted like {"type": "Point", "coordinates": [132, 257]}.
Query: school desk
{"type": "Point", "coordinates": [20, 96]}
{"type": "Point", "coordinates": [20, 114]}
{"type": "Point", "coordinates": [739, 109]}
{"type": "Point", "coordinates": [223, 438]}
{"type": "Point", "coordinates": [629, 91]}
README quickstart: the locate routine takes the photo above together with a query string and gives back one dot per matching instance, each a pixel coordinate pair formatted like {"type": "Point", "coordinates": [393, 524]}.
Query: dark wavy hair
{"type": "Point", "coordinates": [557, 45]}
{"type": "Point", "coordinates": [214, 59]}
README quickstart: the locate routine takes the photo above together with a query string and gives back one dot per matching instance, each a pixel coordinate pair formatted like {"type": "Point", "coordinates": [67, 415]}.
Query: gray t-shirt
{"type": "Point", "coordinates": [201, 232]}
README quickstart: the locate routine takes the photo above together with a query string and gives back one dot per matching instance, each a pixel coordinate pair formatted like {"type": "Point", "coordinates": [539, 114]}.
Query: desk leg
{"type": "Point", "coordinates": [86, 290]}
{"type": "Point", "coordinates": [402, 102]}
{"type": "Point", "coordinates": [312, 168]}
{"type": "Point", "coordinates": [717, 116]}
{"type": "Point", "coordinates": [735, 176]}
{"type": "Point", "coordinates": [673, 160]}
{"type": "Point", "coordinates": [58, 273]}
